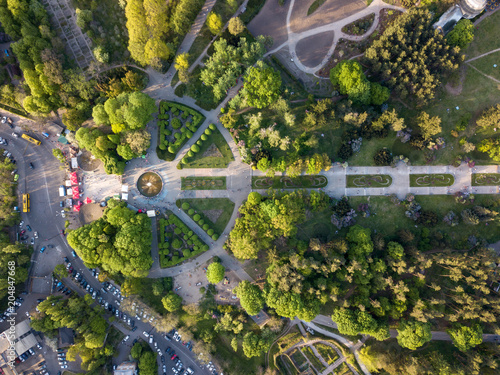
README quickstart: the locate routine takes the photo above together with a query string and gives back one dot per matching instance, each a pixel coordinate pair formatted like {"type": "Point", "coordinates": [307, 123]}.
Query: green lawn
{"type": "Point", "coordinates": [318, 226]}
{"type": "Point", "coordinates": [300, 182]}
{"type": "Point", "coordinates": [487, 64]}
{"type": "Point", "coordinates": [422, 180]}
{"type": "Point", "coordinates": [203, 183]}
{"type": "Point", "coordinates": [485, 179]}
{"type": "Point", "coordinates": [203, 94]}
{"type": "Point", "coordinates": [485, 36]}
{"type": "Point", "coordinates": [388, 218]}
{"type": "Point", "coordinates": [368, 181]}
{"type": "Point", "coordinates": [214, 152]}
{"type": "Point", "coordinates": [285, 365]}
{"type": "Point", "coordinates": [215, 212]}
{"type": "Point", "coordinates": [370, 147]}
{"type": "Point", "coordinates": [314, 6]}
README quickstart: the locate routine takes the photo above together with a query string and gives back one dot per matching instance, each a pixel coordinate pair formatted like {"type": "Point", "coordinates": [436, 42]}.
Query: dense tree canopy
{"type": "Point", "coordinates": [413, 334]}
{"type": "Point", "coordinates": [250, 296]}
{"type": "Point", "coordinates": [172, 301]}
{"type": "Point", "coordinates": [349, 78]}
{"type": "Point", "coordinates": [411, 56]}
{"type": "Point", "coordinates": [262, 85]}
{"type": "Point", "coordinates": [462, 34]}
{"type": "Point", "coordinates": [119, 242]}
{"type": "Point", "coordinates": [215, 272]}
{"type": "Point", "coordinates": [465, 338]}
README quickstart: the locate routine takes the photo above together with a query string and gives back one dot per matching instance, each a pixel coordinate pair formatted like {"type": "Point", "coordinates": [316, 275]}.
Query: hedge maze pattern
{"type": "Point", "coordinates": [176, 124]}
{"type": "Point", "coordinates": [424, 180]}
{"type": "Point", "coordinates": [177, 242]}
{"type": "Point", "coordinates": [486, 179]}
{"type": "Point", "coordinates": [203, 183]}
{"type": "Point", "coordinates": [301, 182]}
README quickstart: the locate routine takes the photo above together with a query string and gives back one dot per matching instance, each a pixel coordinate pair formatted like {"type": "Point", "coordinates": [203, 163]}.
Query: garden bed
{"type": "Point", "coordinates": [177, 242]}
{"type": "Point", "coordinates": [486, 179]}
{"type": "Point", "coordinates": [368, 181]}
{"type": "Point", "coordinates": [176, 124]}
{"type": "Point", "coordinates": [284, 182]}
{"type": "Point", "coordinates": [360, 26]}
{"type": "Point", "coordinates": [426, 180]}
{"type": "Point", "coordinates": [211, 214]}
{"type": "Point", "coordinates": [307, 351]}
{"type": "Point", "coordinates": [327, 353]}
{"type": "Point", "coordinates": [203, 183]}
{"type": "Point", "coordinates": [210, 151]}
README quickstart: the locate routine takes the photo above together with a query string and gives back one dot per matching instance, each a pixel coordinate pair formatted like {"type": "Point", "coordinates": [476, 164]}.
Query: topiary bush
{"type": "Point", "coordinates": [210, 232]}
{"type": "Point", "coordinates": [205, 227]}
{"type": "Point", "coordinates": [185, 206]}
{"type": "Point", "coordinates": [177, 231]}
{"type": "Point", "coordinates": [215, 237]}
{"type": "Point", "coordinates": [208, 131]}
{"type": "Point", "coordinates": [196, 217]}
{"type": "Point", "coordinates": [195, 148]}
{"type": "Point", "coordinates": [190, 212]}
{"type": "Point", "coordinates": [212, 126]}
{"type": "Point", "coordinates": [201, 222]}
{"type": "Point", "coordinates": [203, 137]}
{"type": "Point", "coordinates": [176, 244]}
{"type": "Point", "coordinates": [176, 123]}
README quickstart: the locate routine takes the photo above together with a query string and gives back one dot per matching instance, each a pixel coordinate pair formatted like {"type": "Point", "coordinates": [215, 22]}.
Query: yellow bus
{"type": "Point", "coordinates": [32, 140]}
{"type": "Point", "coordinates": [26, 203]}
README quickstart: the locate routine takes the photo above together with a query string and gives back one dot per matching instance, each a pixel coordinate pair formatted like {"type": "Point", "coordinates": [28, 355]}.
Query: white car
{"type": "Point", "coordinates": [36, 235]}
{"type": "Point", "coordinates": [4, 120]}
{"type": "Point", "coordinates": [126, 338]}
{"type": "Point", "coordinates": [145, 334]}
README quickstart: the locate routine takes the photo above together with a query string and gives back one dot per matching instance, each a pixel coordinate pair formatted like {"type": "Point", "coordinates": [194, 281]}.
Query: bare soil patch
{"type": "Point", "coordinates": [90, 212]}
{"type": "Point", "coordinates": [87, 162]}
{"type": "Point", "coordinates": [330, 11]}
{"type": "Point", "coordinates": [212, 151]}
{"type": "Point", "coordinates": [346, 49]}
{"type": "Point", "coordinates": [312, 50]}
{"type": "Point", "coordinates": [271, 21]}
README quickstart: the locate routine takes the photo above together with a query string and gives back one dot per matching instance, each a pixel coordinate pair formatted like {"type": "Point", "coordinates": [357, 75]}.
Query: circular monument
{"type": "Point", "coordinates": [149, 184]}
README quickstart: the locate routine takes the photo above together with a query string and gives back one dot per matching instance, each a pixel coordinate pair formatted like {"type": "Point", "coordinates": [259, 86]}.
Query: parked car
{"type": "Point", "coordinates": [28, 227]}
{"type": "Point", "coordinates": [36, 235]}
{"type": "Point", "coordinates": [42, 249]}
{"type": "Point", "coordinates": [32, 166]}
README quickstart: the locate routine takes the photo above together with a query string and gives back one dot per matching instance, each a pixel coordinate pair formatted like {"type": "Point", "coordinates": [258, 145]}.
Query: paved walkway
{"type": "Point", "coordinates": [293, 38]}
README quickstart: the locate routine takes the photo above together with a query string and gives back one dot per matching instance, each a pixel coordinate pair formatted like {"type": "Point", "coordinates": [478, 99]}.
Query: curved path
{"type": "Point", "coordinates": [293, 38]}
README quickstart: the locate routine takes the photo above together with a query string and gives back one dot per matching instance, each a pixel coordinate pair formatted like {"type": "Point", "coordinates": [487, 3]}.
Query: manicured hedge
{"type": "Point", "coordinates": [169, 121]}
{"type": "Point", "coordinates": [177, 242]}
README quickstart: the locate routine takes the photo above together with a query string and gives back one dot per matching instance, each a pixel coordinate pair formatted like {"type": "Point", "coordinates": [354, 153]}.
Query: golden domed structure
{"type": "Point", "coordinates": [472, 8]}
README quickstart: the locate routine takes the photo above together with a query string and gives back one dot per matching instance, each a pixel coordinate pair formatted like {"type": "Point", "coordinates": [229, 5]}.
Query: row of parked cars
{"type": "Point", "coordinates": [11, 310]}
{"type": "Point", "coordinates": [61, 358]}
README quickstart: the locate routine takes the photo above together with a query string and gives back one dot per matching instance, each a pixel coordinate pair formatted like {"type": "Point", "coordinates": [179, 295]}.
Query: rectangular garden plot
{"type": "Point", "coordinates": [431, 180]}
{"type": "Point", "coordinates": [203, 183]}
{"type": "Point", "coordinates": [176, 124]}
{"type": "Point", "coordinates": [210, 151]}
{"type": "Point", "coordinates": [285, 182]}
{"type": "Point", "coordinates": [486, 179]}
{"type": "Point", "coordinates": [368, 180]}
{"type": "Point", "coordinates": [177, 242]}
{"type": "Point", "coordinates": [211, 214]}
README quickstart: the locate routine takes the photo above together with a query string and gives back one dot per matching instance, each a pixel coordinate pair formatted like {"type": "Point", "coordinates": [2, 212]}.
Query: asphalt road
{"type": "Point", "coordinates": [42, 184]}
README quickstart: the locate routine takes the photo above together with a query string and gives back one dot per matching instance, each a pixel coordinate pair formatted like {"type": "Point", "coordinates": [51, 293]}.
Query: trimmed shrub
{"type": "Point", "coordinates": [203, 137]}
{"type": "Point", "coordinates": [196, 217]}
{"type": "Point", "coordinates": [185, 206]}
{"type": "Point", "coordinates": [205, 227]}
{"type": "Point", "coordinates": [177, 136]}
{"type": "Point", "coordinates": [176, 123]}
{"type": "Point", "coordinates": [215, 237]}
{"type": "Point", "coordinates": [212, 126]}
{"type": "Point", "coordinates": [168, 132]}
{"type": "Point", "coordinates": [208, 131]}
{"type": "Point", "coordinates": [177, 231]}
{"type": "Point", "coordinates": [195, 148]}
{"type": "Point", "coordinates": [189, 134]}
{"type": "Point", "coordinates": [201, 222]}
{"type": "Point", "coordinates": [172, 149]}
{"type": "Point", "coordinates": [162, 147]}
{"type": "Point", "coordinates": [190, 154]}
{"type": "Point", "coordinates": [190, 212]}
{"type": "Point", "coordinates": [176, 244]}
{"type": "Point", "coordinates": [199, 142]}
{"type": "Point", "coordinates": [210, 232]}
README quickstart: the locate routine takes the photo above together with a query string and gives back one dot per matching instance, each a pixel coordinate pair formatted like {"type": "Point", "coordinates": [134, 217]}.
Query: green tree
{"type": "Point", "coordinates": [215, 273]}
{"type": "Point", "coordinates": [413, 334]}
{"type": "Point", "coordinates": [462, 34]}
{"type": "Point", "coordinates": [465, 338]}
{"type": "Point", "coordinates": [250, 297]}
{"type": "Point", "coordinates": [348, 77]}
{"type": "Point", "coordinates": [214, 22]}
{"type": "Point", "coordinates": [490, 117]}
{"type": "Point", "coordinates": [138, 34]}
{"type": "Point", "coordinates": [136, 350]}
{"type": "Point", "coordinates": [234, 344]}
{"type": "Point", "coordinates": [172, 301]}
{"type": "Point", "coordinates": [58, 154]}
{"type": "Point", "coordinates": [83, 18]}
{"type": "Point", "coordinates": [395, 250]}
{"type": "Point", "coordinates": [378, 94]}
{"type": "Point", "coordinates": [254, 345]}
{"type": "Point", "coordinates": [429, 126]}
{"type": "Point", "coordinates": [147, 363]}
{"type": "Point", "coordinates": [262, 85]}
{"type": "Point", "coordinates": [236, 26]}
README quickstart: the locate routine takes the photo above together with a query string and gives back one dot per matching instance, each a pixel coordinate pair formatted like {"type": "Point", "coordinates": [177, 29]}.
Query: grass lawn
{"type": "Point", "coordinates": [368, 181]}
{"type": "Point", "coordinates": [203, 183]}
{"type": "Point", "coordinates": [370, 147]}
{"type": "Point", "coordinates": [486, 64]}
{"type": "Point", "coordinates": [214, 152]}
{"type": "Point", "coordinates": [314, 6]}
{"type": "Point", "coordinates": [203, 94]}
{"type": "Point", "coordinates": [307, 351]}
{"type": "Point", "coordinates": [420, 180]}
{"type": "Point", "coordinates": [319, 226]}
{"type": "Point", "coordinates": [485, 179]}
{"type": "Point", "coordinates": [256, 268]}
{"type": "Point", "coordinates": [388, 218]}
{"type": "Point", "coordinates": [300, 182]}
{"type": "Point", "coordinates": [485, 36]}
{"type": "Point", "coordinates": [215, 212]}
{"type": "Point", "coordinates": [327, 352]}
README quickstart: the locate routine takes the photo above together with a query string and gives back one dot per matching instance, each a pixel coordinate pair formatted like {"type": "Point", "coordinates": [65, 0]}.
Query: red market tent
{"type": "Point", "coordinates": [76, 208]}
{"type": "Point", "coordinates": [73, 178]}
{"type": "Point", "coordinates": [76, 192]}
{"type": "Point", "coordinates": [88, 200]}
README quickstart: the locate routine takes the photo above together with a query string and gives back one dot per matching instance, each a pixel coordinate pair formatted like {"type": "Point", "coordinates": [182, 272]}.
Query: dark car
{"type": "Point", "coordinates": [61, 203]}
{"type": "Point", "coordinates": [32, 166]}
{"type": "Point", "coordinates": [73, 253]}
{"type": "Point", "coordinates": [24, 238]}
{"type": "Point", "coordinates": [168, 349]}
{"type": "Point", "coordinates": [66, 259]}
{"type": "Point", "coordinates": [28, 227]}
{"type": "Point", "coordinates": [62, 233]}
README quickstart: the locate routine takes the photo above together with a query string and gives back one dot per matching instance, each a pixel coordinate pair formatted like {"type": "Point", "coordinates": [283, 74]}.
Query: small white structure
{"type": "Point", "coordinates": [464, 9]}
{"type": "Point", "coordinates": [67, 183]}
{"type": "Point", "coordinates": [124, 197]}
{"type": "Point", "coordinates": [124, 188]}
{"type": "Point", "coordinates": [74, 163]}
{"type": "Point", "coordinates": [151, 213]}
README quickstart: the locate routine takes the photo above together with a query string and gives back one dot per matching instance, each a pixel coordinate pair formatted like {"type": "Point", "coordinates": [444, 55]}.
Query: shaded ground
{"type": "Point", "coordinates": [271, 21]}
{"type": "Point", "coordinates": [330, 11]}
{"type": "Point", "coordinates": [86, 162]}
{"type": "Point", "coordinates": [90, 212]}
{"type": "Point", "coordinates": [313, 49]}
